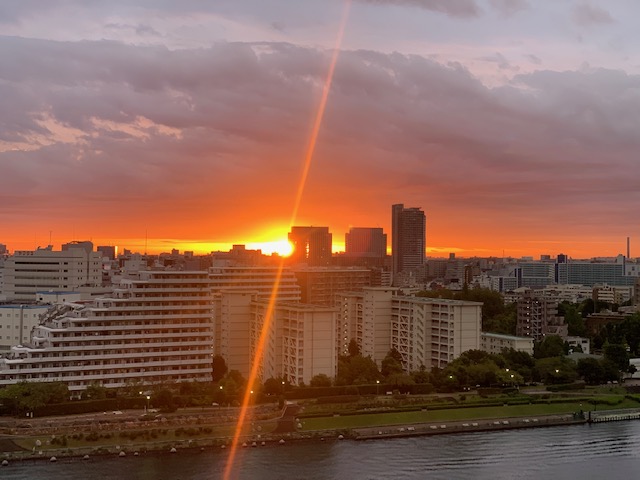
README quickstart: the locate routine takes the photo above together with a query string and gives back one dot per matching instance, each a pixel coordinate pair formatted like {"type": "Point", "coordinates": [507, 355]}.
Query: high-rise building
{"type": "Point", "coordinates": [311, 245]}
{"type": "Point", "coordinates": [408, 238]}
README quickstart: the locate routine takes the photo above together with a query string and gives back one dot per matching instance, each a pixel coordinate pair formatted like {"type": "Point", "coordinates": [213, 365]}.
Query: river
{"type": "Point", "coordinates": [608, 450]}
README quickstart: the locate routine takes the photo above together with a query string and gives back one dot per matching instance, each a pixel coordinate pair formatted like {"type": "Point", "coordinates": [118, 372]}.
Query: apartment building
{"type": "Point", "coordinates": [319, 285]}
{"type": "Point", "coordinates": [154, 329]}
{"type": "Point", "coordinates": [299, 339]}
{"type": "Point", "coordinates": [494, 343]}
{"type": "Point", "coordinates": [426, 331]}
{"type": "Point", "coordinates": [258, 279]}
{"type": "Point", "coordinates": [299, 342]}
{"type": "Point", "coordinates": [537, 316]}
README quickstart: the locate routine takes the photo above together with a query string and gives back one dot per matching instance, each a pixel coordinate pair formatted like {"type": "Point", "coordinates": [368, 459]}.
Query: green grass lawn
{"type": "Point", "coordinates": [402, 418]}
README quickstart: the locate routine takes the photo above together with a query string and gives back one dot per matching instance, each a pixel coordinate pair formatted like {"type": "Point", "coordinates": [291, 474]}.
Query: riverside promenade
{"type": "Point", "coordinates": [483, 425]}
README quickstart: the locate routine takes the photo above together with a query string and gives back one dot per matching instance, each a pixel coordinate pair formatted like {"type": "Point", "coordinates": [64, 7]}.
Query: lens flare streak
{"type": "Point", "coordinates": [276, 285]}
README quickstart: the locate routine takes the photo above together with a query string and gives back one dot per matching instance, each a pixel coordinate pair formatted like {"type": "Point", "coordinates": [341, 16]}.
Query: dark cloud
{"type": "Point", "coordinates": [509, 7]}
{"type": "Point", "coordinates": [533, 59]}
{"type": "Point", "coordinates": [586, 14]}
{"type": "Point", "coordinates": [453, 8]}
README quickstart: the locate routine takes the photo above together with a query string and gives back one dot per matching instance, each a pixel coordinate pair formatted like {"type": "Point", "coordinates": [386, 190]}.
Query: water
{"type": "Point", "coordinates": [610, 450]}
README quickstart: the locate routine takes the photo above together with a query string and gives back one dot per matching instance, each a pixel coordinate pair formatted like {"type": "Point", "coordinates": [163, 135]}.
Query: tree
{"type": "Point", "coordinates": [553, 370]}
{"type": "Point", "coordinates": [392, 363]}
{"type": "Point", "coordinates": [163, 399]}
{"type": "Point", "coordinates": [550, 346]}
{"type": "Point", "coordinates": [219, 368]}
{"type": "Point", "coordinates": [320, 380]}
{"type": "Point", "coordinates": [618, 356]}
{"type": "Point", "coordinates": [356, 370]}
{"type": "Point", "coordinates": [572, 318]}
{"type": "Point", "coordinates": [353, 348]}
{"type": "Point", "coordinates": [421, 376]}
{"type": "Point", "coordinates": [591, 370]}
{"type": "Point", "coordinates": [273, 386]}
{"type": "Point", "coordinates": [95, 391]}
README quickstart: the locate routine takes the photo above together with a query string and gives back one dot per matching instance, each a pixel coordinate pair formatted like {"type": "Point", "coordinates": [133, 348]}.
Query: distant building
{"type": "Point", "coordinates": [537, 317]}
{"type": "Point", "coordinates": [107, 251]}
{"type": "Point", "coordinates": [494, 343]}
{"type": "Point", "coordinates": [28, 272]}
{"type": "Point", "coordinates": [581, 342]}
{"type": "Point", "coordinates": [311, 245]}
{"type": "Point", "coordinates": [408, 238]}
{"type": "Point", "coordinates": [612, 294]}
{"type": "Point", "coordinates": [261, 280]}
{"type": "Point", "coordinates": [366, 243]}
{"type": "Point", "coordinates": [319, 285]}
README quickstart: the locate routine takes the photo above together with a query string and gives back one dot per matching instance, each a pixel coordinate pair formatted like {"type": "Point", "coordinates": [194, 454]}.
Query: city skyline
{"type": "Point", "coordinates": [511, 123]}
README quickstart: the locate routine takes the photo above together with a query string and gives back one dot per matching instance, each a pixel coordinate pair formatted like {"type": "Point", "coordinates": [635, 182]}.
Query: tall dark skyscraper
{"type": "Point", "coordinates": [311, 245]}
{"type": "Point", "coordinates": [408, 238]}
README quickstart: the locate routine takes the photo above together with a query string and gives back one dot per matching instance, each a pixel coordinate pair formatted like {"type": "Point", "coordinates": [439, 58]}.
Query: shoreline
{"type": "Point", "coordinates": [13, 451]}
{"type": "Point", "coordinates": [277, 440]}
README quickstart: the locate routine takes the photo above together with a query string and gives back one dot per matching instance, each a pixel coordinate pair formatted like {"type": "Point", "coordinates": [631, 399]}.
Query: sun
{"type": "Point", "coordinates": [280, 247]}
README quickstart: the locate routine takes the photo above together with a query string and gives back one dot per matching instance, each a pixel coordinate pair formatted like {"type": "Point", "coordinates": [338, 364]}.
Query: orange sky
{"type": "Point", "coordinates": [188, 128]}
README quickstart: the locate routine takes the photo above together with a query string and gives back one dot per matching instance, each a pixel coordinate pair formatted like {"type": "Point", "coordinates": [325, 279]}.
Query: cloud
{"type": "Point", "coordinates": [585, 14]}
{"type": "Point", "coordinates": [209, 142]}
{"type": "Point", "coordinates": [453, 8]}
{"type": "Point", "coordinates": [509, 7]}
{"type": "Point", "coordinates": [533, 59]}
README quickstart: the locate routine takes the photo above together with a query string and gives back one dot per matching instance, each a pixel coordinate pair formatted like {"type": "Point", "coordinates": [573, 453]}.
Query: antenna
{"type": "Point", "coordinates": [146, 238]}
{"type": "Point", "coordinates": [628, 247]}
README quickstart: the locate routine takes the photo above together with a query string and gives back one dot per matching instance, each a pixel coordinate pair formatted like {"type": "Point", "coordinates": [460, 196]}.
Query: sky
{"type": "Point", "coordinates": [154, 124]}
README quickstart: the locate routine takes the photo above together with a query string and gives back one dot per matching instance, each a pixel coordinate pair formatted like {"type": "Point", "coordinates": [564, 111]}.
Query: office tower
{"type": "Point", "coordinates": [366, 243]}
{"type": "Point", "coordinates": [311, 245]}
{"type": "Point", "coordinates": [408, 238]}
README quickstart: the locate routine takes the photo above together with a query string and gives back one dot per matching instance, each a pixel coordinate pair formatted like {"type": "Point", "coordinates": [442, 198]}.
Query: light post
{"type": "Point", "coordinates": [377, 387]}
{"type": "Point", "coordinates": [146, 407]}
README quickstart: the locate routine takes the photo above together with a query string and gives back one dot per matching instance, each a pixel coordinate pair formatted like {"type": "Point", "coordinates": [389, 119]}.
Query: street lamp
{"type": "Point", "coordinates": [147, 405]}
{"type": "Point", "coordinates": [377, 387]}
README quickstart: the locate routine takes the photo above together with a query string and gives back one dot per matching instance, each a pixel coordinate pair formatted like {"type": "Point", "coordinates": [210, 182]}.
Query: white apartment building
{"type": "Point", "coordinates": [299, 340]}
{"type": "Point", "coordinates": [155, 329]}
{"type": "Point", "coordinates": [612, 293]}
{"type": "Point", "coordinates": [426, 331]}
{"type": "Point", "coordinates": [366, 317]}
{"type": "Point", "coordinates": [494, 343]}
{"type": "Point", "coordinates": [28, 272]}
{"type": "Point", "coordinates": [433, 331]}
{"type": "Point", "coordinates": [299, 343]}
{"type": "Point", "coordinates": [17, 322]}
